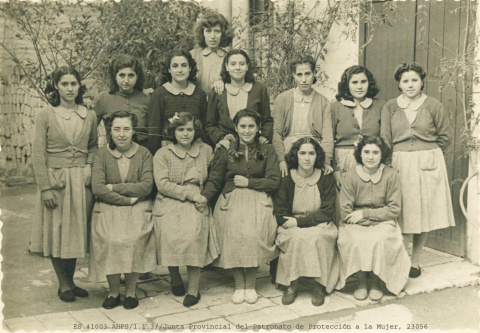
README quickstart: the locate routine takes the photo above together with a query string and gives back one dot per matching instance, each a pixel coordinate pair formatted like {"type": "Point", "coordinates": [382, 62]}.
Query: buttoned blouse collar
{"type": "Point", "coordinates": [404, 103]}
{"type": "Point", "coordinates": [234, 90]}
{"type": "Point", "coordinates": [180, 153]}
{"type": "Point", "coordinates": [310, 180]}
{"type": "Point", "coordinates": [364, 104]}
{"type": "Point", "coordinates": [128, 154]}
{"type": "Point", "coordinates": [175, 91]}
{"type": "Point", "coordinates": [366, 177]}
{"type": "Point", "coordinates": [220, 52]}
{"type": "Point", "coordinates": [299, 97]}
{"type": "Point", "coordinates": [67, 113]}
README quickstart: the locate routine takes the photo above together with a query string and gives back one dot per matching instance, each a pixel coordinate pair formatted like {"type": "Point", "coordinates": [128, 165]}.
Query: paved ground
{"type": "Point", "coordinates": [444, 297]}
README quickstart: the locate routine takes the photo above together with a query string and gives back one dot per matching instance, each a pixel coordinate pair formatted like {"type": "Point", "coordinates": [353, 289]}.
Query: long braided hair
{"type": "Point", "coordinates": [258, 120]}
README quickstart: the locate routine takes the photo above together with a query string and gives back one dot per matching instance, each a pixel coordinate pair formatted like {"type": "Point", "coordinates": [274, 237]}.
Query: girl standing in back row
{"type": "Point", "coordinates": [418, 129]}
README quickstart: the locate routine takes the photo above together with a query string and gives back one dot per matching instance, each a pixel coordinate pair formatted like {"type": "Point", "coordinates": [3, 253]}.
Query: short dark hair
{"type": "Point", "coordinates": [300, 60]}
{"type": "Point", "coordinates": [124, 61]}
{"type": "Point", "coordinates": [292, 156]}
{"type": "Point", "coordinates": [224, 73]}
{"type": "Point", "coordinates": [51, 89]}
{"type": "Point", "coordinates": [210, 20]}
{"type": "Point", "coordinates": [183, 119]}
{"type": "Point", "coordinates": [375, 140]}
{"type": "Point", "coordinates": [167, 77]}
{"type": "Point", "coordinates": [407, 67]}
{"type": "Point", "coordinates": [109, 122]}
{"type": "Point", "coordinates": [343, 90]}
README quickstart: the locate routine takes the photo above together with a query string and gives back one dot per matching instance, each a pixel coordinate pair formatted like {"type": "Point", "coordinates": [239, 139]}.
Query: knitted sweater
{"type": "Point", "coordinates": [136, 102]}
{"type": "Point", "coordinates": [319, 122]}
{"type": "Point", "coordinates": [261, 169]}
{"type": "Point", "coordinates": [139, 181]}
{"type": "Point", "coordinates": [431, 128]}
{"type": "Point", "coordinates": [283, 202]}
{"type": "Point", "coordinates": [51, 148]}
{"type": "Point", "coordinates": [164, 104]}
{"type": "Point", "coordinates": [219, 123]}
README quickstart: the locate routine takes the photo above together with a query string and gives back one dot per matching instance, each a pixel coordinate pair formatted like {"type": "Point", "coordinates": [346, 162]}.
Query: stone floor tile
{"type": "Point", "coordinates": [462, 273]}
{"type": "Point", "coordinates": [265, 316]}
{"type": "Point", "coordinates": [154, 287]}
{"type": "Point", "coordinates": [265, 288]}
{"type": "Point", "coordinates": [161, 271]}
{"type": "Point", "coordinates": [263, 271]}
{"type": "Point", "coordinates": [372, 319]}
{"type": "Point", "coordinates": [303, 304]}
{"type": "Point", "coordinates": [431, 257]}
{"type": "Point", "coordinates": [211, 278]}
{"type": "Point", "coordinates": [57, 321]}
{"type": "Point", "coordinates": [185, 318]}
{"type": "Point", "coordinates": [426, 283]}
{"type": "Point", "coordinates": [90, 316]}
{"type": "Point", "coordinates": [24, 323]}
{"type": "Point", "coordinates": [229, 308]}
{"type": "Point", "coordinates": [121, 316]}
{"type": "Point", "coordinates": [220, 294]}
{"type": "Point", "coordinates": [164, 306]}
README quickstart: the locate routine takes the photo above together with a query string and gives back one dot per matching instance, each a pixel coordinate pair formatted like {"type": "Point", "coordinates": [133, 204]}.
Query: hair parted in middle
{"type": "Point", "coordinates": [120, 114]}
{"type": "Point", "coordinates": [167, 77]}
{"type": "Point", "coordinates": [374, 140]}
{"type": "Point", "coordinates": [122, 61]}
{"type": "Point", "coordinates": [224, 73]}
{"type": "Point", "coordinates": [304, 59]}
{"type": "Point", "coordinates": [209, 21]}
{"type": "Point", "coordinates": [182, 119]}
{"type": "Point", "coordinates": [51, 89]}
{"type": "Point", "coordinates": [258, 121]}
{"type": "Point", "coordinates": [292, 156]}
{"type": "Point", "coordinates": [343, 89]}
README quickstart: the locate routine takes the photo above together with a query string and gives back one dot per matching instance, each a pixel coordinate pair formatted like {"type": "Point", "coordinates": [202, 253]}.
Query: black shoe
{"type": "Point", "coordinates": [318, 297]}
{"type": "Point", "coordinates": [130, 302]}
{"type": "Point", "coordinates": [111, 302]}
{"type": "Point", "coordinates": [190, 300]}
{"type": "Point", "coordinates": [415, 272]}
{"type": "Point", "coordinates": [178, 290]}
{"type": "Point", "coordinates": [79, 292]}
{"type": "Point", "coordinates": [66, 296]}
{"type": "Point", "coordinates": [289, 297]}
{"type": "Point", "coordinates": [273, 270]}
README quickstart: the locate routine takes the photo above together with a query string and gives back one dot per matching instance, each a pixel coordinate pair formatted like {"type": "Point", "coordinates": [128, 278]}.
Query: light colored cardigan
{"type": "Point", "coordinates": [319, 122]}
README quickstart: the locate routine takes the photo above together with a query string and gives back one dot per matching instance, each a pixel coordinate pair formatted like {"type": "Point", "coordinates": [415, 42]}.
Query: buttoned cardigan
{"type": "Point", "coordinates": [283, 202]}
{"type": "Point", "coordinates": [219, 123]}
{"type": "Point", "coordinates": [379, 196]}
{"type": "Point", "coordinates": [346, 129]}
{"type": "Point", "coordinates": [51, 148]}
{"type": "Point", "coordinates": [136, 102]}
{"type": "Point", "coordinates": [263, 172]}
{"type": "Point", "coordinates": [431, 128]}
{"type": "Point", "coordinates": [319, 122]}
{"type": "Point", "coordinates": [138, 183]}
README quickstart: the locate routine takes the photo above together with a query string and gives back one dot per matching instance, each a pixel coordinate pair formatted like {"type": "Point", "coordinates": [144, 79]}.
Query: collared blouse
{"type": "Point", "coordinates": [209, 64]}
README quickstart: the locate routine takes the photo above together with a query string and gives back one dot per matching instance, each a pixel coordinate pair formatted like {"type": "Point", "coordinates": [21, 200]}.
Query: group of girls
{"type": "Point", "coordinates": [315, 190]}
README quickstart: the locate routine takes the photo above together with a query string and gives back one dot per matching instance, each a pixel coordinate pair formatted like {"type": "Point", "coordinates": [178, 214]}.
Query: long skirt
{"type": "Point", "coordinates": [184, 235]}
{"type": "Point", "coordinates": [345, 160]}
{"type": "Point", "coordinates": [426, 199]}
{"type": "Point", "coordinates": [377, 248]}
{"type": "Point", "coordinates": [246, 229]}
{"type": "Point", "coordinates": [62, 232]}
{"type": "Point", "coordinates": [308, 252]}
{"type": "Point", "coordinates": [122, 239]}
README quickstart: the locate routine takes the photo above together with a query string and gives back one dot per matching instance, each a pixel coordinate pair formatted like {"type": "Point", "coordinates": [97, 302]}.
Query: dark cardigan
{"type": "Point", "coordinates": [283, 202]}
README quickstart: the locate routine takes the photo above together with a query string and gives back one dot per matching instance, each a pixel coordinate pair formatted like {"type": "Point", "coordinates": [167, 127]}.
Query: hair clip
{"type": "Point", "coordinates": [175, 117]}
